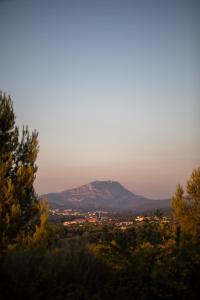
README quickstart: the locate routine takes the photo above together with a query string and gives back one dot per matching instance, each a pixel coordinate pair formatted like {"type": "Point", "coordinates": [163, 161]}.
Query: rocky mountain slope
{"type": "Point", "coordinates": [109, 195]}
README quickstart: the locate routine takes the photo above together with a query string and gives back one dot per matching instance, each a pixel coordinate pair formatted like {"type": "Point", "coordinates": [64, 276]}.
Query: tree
{"type": "Point", "coordinates": [186, 208]}
{"type": "Point", "coordinates": [22, 215]}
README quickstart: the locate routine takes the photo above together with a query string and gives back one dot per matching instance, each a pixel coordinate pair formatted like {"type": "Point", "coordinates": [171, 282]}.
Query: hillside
{"type": "Point", "coordinates": [109, 195]}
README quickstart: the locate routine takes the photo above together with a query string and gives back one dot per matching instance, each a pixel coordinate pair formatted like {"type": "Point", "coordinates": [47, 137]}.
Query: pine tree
{"type": "Point", "coordinates": [186, 208]}
{"type": "Point", "coordinates": [22, 215]}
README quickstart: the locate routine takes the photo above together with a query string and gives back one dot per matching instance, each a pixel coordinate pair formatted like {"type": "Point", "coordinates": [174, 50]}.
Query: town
{"type": "Point", "coordinates": [72, 217]}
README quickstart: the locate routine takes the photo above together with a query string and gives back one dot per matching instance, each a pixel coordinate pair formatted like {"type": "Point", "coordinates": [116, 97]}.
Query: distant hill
{"type": "Point", "coordinates": [106, 195]}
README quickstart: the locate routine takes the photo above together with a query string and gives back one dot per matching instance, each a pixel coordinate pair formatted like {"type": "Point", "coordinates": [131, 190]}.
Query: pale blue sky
{"type": "Point", "coordinates": [112, 87]}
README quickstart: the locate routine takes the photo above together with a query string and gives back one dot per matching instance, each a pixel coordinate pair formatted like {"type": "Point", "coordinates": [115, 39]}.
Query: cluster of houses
{"type": "Point", "coordinates": [66, 212]}
{"type": "Point", "coordinates": [119, 224]}
{"type": "Point", "coordinates": [102, 217]}
{"type": "Point", "coordinates": [80, 221]}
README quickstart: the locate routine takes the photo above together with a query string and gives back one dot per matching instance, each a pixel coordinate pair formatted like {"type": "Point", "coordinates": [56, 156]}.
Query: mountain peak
{"type": "Point", "coordinates": [99, 187]}
{"type": "Point", "coordinates": [100, 194]}
{"type": "Point", "coordinates": [105, 183]}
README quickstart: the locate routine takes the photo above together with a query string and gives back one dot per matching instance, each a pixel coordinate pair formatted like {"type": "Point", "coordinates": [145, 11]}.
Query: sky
{"type": "Point", "coordinates": [112, 87]}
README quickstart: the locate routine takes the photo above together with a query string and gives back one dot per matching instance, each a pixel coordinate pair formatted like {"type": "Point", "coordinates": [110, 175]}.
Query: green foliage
{"type": "Point", "coordinates": [149, 232]}
{"type": "Point", "coordinates": [69, 271]}
{"type": "Point", "coordinates": [22, 215]}
{"type": "Point", "coordinates": [186, 209]}
{"type": "Point", "coordinates": [71, 267]}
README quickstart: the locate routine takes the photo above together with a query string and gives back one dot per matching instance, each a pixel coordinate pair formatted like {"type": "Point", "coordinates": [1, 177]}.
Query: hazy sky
{"type": "Point", "coordinates": [111, 86]}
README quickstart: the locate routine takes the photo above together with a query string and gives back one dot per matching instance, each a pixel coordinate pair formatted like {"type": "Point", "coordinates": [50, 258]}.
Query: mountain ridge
{"type": "Point", "coordinates": [110, 195]}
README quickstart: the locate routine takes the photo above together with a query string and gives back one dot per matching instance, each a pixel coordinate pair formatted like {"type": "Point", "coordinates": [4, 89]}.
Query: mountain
{"type": "Point", "coordinates": [107, 195]}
